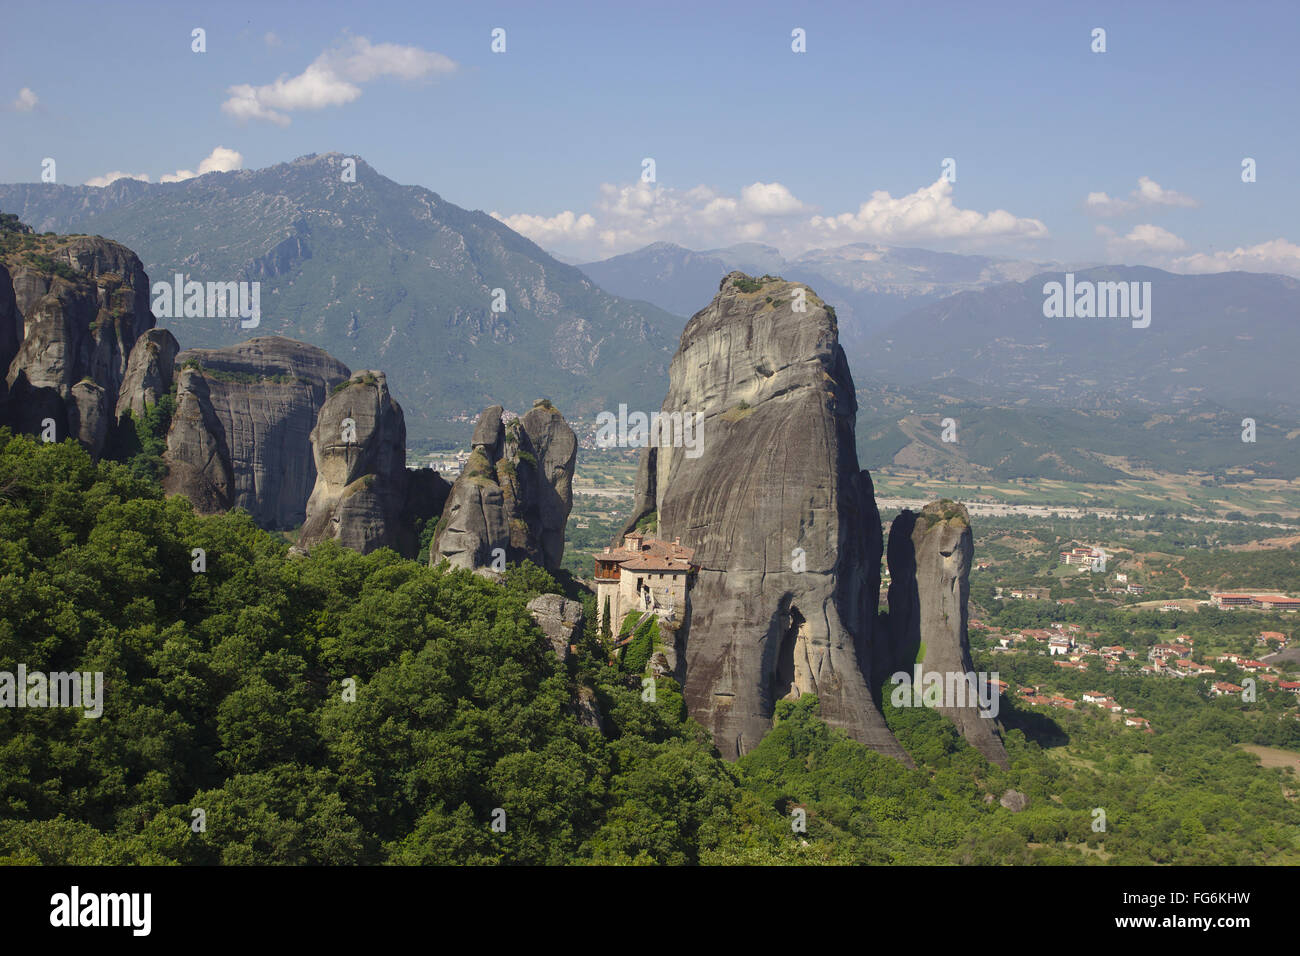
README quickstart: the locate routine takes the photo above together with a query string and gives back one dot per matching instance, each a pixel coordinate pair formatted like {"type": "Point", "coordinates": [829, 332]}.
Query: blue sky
{"type": "Point", "coordinates": [750, 140]}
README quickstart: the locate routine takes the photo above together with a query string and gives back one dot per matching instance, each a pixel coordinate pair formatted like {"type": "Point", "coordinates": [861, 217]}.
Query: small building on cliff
{"type": "Point", "coordinates": [644, 575]}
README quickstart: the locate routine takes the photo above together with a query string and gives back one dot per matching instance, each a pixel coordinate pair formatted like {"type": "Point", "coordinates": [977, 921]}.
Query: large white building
{"type": "Point", "coordinates": [644, 575]}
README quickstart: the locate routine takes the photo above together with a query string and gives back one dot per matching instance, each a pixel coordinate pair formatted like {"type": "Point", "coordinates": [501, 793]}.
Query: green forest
{"type": "Point", "coordinates": [348, 709]}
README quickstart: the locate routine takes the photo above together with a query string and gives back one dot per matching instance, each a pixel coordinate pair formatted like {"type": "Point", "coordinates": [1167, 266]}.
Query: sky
{"type": "Point", "coordinates": [1060, 153]}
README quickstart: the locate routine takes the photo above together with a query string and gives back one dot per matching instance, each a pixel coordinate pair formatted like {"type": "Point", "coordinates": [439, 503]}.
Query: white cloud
{"type": "Point", "coordinates": [1153, 246]}
{"type": "Point", "coordinates": [561, 228]}
{"type": "Point", "coordinates": [1100, 204]}
{"type": "Point", "coordinates": [220, 160]}
{"type": "Point", "coordinates": [333, 79]}
{"type": "Point", "coordinates": [928, 213]}
{"type": "Point", "coordinates": [25, 102]}
{"type": "Point", "coordinates": [271, 40]}
{"type": "Point", "coordinates": [1276, 255]}
{"type": "Point", "coordinates": [1148, 193]}
{"type": "Point", "coordinates": [630, 216]}
{"type": "Point", "coordinates": [770, 199]}
{"type": "Point", "coordinates": [1151, 193]}
{"type": "Point", "coordinates": [113, 177]}
{"type": "Point", "coordinates": [1145, 239]}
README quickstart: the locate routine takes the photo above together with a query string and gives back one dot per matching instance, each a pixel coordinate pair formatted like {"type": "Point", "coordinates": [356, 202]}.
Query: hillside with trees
{"type": "Point", "coordinates": [349, 709]}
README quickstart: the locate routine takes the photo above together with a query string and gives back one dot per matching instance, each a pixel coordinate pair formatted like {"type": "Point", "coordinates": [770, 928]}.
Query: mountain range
{"type": "Point", "coordinates": [870, 285]}
{"type": "Point", "coordinates": [388, 276]}
{"type": "Point", "coordinates": [1225, 338]}
{"type": "Point", "coordinates": [381, 275]}
{"type": "Point", "coordinates": [902, 427]}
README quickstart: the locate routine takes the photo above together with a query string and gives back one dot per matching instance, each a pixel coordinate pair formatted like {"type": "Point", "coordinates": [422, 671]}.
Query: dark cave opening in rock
{"type": "Point", "coordinates": [784, 675]}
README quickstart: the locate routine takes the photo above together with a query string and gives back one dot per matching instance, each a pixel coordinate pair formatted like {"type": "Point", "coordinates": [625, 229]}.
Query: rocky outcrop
{"type": "Point", "coordinates": [929, 565]}
{"type": "Point", "coordinates": [88, 415]}
{"type": "Point", "coordinates": [559, 619]}
{"type": "Point", "coordinates": [359, 446]}
{"type": "Point", "coordinates": [71, 310]}
{"type": "Point", "coordinates": [362, 497]}
{"type": "Point", "coordinates": [241, 432]}
{"type": "Point", "coordinates": [150, 373]}
{"type": "Point", "coordinates": [11, 328]}
{"type": "Point", "coordinates": [512, 500]}
{"type": "Point", "coordinates": [473, 523]}
{"type": "Point", "coordinates": [1014, 800]}
{"type": "Point", "coordinates": [555, 448]}
{"type": "Point", "coordinates": [585, 708]}
{"type": "Point", "coordinates": [783, 522]}
{"type": "Point", "coordinates": [489, 433]}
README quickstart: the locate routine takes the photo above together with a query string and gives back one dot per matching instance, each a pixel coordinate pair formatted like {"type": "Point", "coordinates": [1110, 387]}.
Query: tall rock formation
{"type": "Point", "coordinates": [514, 493]}
{"type": "Point", "coordinates": [929, 567]}
{"type": "Point", "coordinates": [150, 373]}
{"type": "Point", "coordinates": [241, 432]}
{"type": "Point", "coordinates": [555, 449]}
{"type": "Point", "coordinates": [473, 522]}
{"type": "Point", "coordinates": [783, 522]}
{"type": "Point", "coordinates": [11, 331]}
{"type": "Point", "coordinates": [71, 310]}
{"type": "Point", "coordinates": [363, 495]}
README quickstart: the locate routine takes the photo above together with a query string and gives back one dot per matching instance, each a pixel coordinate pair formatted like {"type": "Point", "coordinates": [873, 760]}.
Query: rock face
{"type": "Point", "coordinates": [71, 310]}
{"type": "Point", "coordinates": [473, 521]}
{"type": "Point", "coordinates": [150, 372]}
{"type": "Point", "coordinates": [1014, 800]}
{"type": "Point", "coordinates": [783, 522]}
{"type": "Point", "coordinates": [362, 496]}
{"type": "Point", "coordinates": [560, 620]}
{"type": "Point", "coordinates": [929, 566]}
{"type": "Point", "coordinates": [514, 494]}
{"type": "Point", "coordinates": [11, 328]}
{"type": "Point", "coordinates": [241, 432]}
{"type": "Point", "coordinates": [585, 708]}
{"type": "Point", "coordinates": [555, 448]}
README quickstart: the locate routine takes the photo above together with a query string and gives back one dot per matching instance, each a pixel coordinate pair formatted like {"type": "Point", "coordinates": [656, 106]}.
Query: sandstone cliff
{"type": "Point", "coordinates": [150, 373]}
{"type": "Point", "coordinates": [10, 330]}
{"type": "Point", "coordinates": [555, 449]}
{"type": "Point", "coordinates": [71, 310]}
{"type": "Point", "coordinates": [929, 566]}
{"type": "Point", "coordinates": [559, 619]}
{"type": "Point", "coordinates": [363, 494]}
{"type": "Point", "coordinates": [783, 522]}
{"type": "Point", "coordinates": [514, 494]}
{"type": "Point", "coordinates": [241, 432]}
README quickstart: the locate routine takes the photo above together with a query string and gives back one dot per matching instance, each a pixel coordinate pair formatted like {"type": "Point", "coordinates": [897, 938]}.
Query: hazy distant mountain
{"type": "Point", "coordinates": [1229, 338]}
{"type": "Point", "coordinates": [382, 276]}
{"type": "Point", "coordinates": [866, 267]}
{"type": "Point", "coordinates": [902, 428]}
{"type": "Point", "coordinates": [869, 285]}
{"type": "Point", "coordinates": [673, 278]}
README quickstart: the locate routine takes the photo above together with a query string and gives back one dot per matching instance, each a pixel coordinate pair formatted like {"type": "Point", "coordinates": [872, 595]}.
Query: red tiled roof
{"type": "Point", "coordinates": [654, 562]}
{"type": "Point", "coordinates": [654, 555]}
